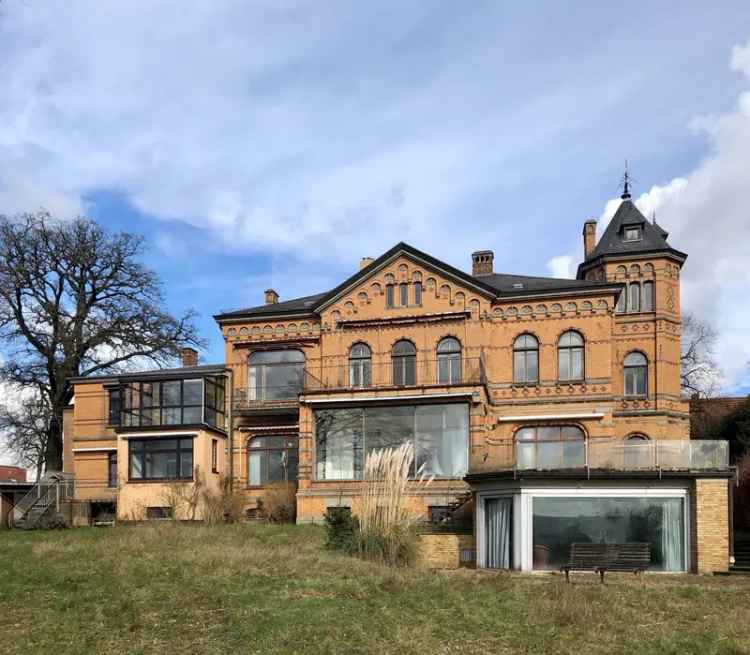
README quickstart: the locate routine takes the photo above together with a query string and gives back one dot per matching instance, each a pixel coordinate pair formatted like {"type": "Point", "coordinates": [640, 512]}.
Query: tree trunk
{"type": "Point", "coordinates": [53, 460]}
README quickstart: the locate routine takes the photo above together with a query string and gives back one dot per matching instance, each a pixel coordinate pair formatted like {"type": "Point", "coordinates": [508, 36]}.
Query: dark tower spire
{"type": "Point", "coordinates": [626, 181]}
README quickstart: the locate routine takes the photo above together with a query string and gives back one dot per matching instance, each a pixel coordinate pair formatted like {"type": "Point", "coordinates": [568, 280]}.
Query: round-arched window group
{"type": "Point", "coordinates": [571, 358]}
{"type": "Point", "coordinates": [403, 366]}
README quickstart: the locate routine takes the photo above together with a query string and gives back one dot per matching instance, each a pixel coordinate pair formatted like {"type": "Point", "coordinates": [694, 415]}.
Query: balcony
{"type": "Point", "coordinates": [395, 373]}
{"type": "Point", "coordinates": [602, 455]}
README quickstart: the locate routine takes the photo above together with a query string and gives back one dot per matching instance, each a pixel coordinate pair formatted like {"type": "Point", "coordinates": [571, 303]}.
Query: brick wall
{"type": "Point", "coordinates": [710, 542]}
{"type": "Point", "coordinates": [442, 551]}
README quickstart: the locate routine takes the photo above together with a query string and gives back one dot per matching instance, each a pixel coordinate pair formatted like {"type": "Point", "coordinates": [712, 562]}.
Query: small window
{"type": "Point", "coordinates": [634, 298]}
{"type": "Point", "coordinates": [417, 293]}
{"type": "Point", "coordinates": [403, 292]}
{"type": "Point", "coordinates": [570, 357]}
{"type": "Point", "coordinates": [112, 469]}
{"type": "Point", "coordinates": [525, 360]}
{"type": "Point", "coordinates": [636, 375]}
{"type": "Point", "coordinates": [214, 455]}
{"type": "Point", "coordinates": [438, 514]}
{"type": "Point", "coordinates": [632, 234]}
{"type": "Point", "coordinates": [389, 295]}
{"type": "Point", "coordinates": [157, 513]}
{"type": "Point", "coordinates": [648, 297]}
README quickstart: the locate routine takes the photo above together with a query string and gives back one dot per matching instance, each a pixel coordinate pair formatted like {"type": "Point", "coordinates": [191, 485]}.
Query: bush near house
{"type": "Point", "coordinates": [276, 589]}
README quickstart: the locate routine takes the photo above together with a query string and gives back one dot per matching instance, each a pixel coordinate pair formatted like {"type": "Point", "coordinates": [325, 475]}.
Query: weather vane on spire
{"type": "Point", "coordinates": [627, 180]}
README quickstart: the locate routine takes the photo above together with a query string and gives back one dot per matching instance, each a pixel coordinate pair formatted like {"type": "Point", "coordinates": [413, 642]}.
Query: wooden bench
{"type": "Point", "coordinates": [601, 558]}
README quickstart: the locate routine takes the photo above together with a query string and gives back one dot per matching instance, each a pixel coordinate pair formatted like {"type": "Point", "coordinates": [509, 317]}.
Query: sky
{"type": "Point", "coordinates": [274, 144]}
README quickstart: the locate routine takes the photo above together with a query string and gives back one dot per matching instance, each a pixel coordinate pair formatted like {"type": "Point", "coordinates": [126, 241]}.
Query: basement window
{"type": "Point", "coordinates": [158, 513]}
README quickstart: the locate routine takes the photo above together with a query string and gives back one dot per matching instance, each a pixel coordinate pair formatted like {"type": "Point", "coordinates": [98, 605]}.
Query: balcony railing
{"type": "Point", "coordinates": [603, 454]}
{"type": "Point", "coordinates": [412, 373]}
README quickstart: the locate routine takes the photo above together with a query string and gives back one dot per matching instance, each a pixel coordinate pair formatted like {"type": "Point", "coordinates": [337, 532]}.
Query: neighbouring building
{"type": "Point", "coordinates": [13, 486]}
{"type": "Point", "coordinates": [554, 403]}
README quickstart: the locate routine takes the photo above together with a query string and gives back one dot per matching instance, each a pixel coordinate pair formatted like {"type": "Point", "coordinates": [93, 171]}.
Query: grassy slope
{"type": "Point", "coordinates": [256, 589]}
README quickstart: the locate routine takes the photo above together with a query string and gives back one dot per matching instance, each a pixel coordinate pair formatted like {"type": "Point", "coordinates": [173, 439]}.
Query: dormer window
{"type": "Point", "coordinates": [632, 234]}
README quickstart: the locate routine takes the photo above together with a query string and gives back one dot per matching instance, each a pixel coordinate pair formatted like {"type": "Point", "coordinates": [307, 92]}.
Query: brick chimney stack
{"type": "Point", "coordinates": [589, 237]}
{"type": "Point", "coordinates": [482, 262]}
{"type": "Point", "coordinates": [365, 262]}
{"type": "Point", "coordinates": [271, 297]}
{"type": "Point", "coordinates": [189, 356]}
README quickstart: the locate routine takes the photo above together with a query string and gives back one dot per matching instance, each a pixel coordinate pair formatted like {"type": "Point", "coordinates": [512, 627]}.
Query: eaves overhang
{"type": "Point", "coordinates": [671, 253]}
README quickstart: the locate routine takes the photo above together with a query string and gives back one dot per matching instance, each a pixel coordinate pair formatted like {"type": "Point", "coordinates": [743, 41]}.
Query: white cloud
{"type": "Point", "coordinates": [561, 266]}
{"type": "Point", "coordinates": [707, 215]}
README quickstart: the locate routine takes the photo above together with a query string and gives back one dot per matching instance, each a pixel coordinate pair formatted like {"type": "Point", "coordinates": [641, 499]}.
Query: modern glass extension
{"type": "Point", "coordinates": [440, 434]}
{"type": "Point", "coordinates": [532, 529]}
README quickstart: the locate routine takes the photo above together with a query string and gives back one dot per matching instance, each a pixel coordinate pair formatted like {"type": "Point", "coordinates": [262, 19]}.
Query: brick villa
{"type": "Point", "coordinates": [554, 404]}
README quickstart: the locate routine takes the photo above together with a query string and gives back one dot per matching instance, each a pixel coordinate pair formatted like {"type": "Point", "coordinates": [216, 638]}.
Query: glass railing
{"type": "Point", "coordinates": [603, 454]}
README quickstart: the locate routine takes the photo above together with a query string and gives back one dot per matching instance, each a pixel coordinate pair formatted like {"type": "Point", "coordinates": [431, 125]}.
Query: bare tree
{"type": "Point", "coordinates": [699, 372]}
{"type": "Point", "coordinates": [75, 300]}
{"type": "Point", "coordinates": [24, 424]}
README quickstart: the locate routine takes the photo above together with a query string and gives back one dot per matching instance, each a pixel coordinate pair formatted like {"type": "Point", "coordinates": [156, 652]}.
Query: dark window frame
{"type": "Point", "coordinates": [153, 443]}
{"type": "Point", "coordinates": [404, 364]}
{"type": "Point", "coordinates": [403, 294]}
{"type": "Point", "coordinates": [389, 296]}
{"type": "Point", "coordinates": [137, 414]}
{"type": "Point", "coordinates": [214, 455]}
{"type": "Point", "coordinates": [360, 365]}
{"type": "Point", "coordinates": [258, 374]}
{"type": "Point", "coordinates": [291, 454]}
{"type": "Point", "coordinates": [418, 293]}
{"type": "Point", "coordinates": [114, 406]}
{"type": "Point", "coordinates": [112, 474]}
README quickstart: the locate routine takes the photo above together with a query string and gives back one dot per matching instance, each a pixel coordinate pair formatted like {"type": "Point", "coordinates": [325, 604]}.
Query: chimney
{"type": "Point", "coordinates": [189, 356]}
{"type": "Point", "coordinates": [271, 297]}
{"type": "Point", "coordinates": [589, 237]}
{"type": "Point", "coordinates": [365, 262]}
{"type": "Point", "coordinates": [482, 262]}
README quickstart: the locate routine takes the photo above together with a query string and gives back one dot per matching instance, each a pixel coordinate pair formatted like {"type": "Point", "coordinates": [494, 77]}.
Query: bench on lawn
{"type": "Point", "coordinates": [601, 558]}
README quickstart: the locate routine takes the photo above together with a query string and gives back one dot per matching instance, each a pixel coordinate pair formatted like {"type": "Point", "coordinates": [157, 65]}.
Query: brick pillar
{"type": "Point", "coordinates": [710, 526]}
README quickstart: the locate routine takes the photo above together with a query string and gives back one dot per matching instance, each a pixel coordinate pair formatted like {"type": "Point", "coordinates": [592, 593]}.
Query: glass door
{"type": "Point", "coordinates": [499, 516]}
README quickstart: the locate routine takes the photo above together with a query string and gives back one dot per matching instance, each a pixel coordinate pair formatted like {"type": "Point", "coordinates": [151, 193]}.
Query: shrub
{"type": "Point", "coordinates": [279, 503]}
{"type": "Point", "coordinates": [224, 505]}
{"type": "Point", "coordinates": [342, 530]}
{"type": "Point", "coordinates": [55, 521]}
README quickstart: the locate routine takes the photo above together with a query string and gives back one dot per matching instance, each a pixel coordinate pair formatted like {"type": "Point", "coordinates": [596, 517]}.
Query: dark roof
{"type": "Point", "coordinates": [303, 305]}
{"type": "Point", "coordinates": [178, 372]}
{"type": "Point", "coordinates": [494, 285]}
{"type": "Point", "coordinates": [653, 238]}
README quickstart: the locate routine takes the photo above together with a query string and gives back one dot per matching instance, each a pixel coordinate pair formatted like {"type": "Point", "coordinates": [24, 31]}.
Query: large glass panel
{"type": "Point", "coordinates": [442, 440]}
{"type": "Point", "coordinates": [276, 374]}
{"type": "Point", "coordinates": [559, 522]}
{"type": "Point", "coordinates": [171, 393]}
{"type": "Point", "coordinates": [339, 444]}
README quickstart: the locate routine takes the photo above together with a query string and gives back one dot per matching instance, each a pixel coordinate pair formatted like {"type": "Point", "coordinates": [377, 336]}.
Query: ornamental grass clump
{"type": "Point", "coordinates": [387, 526]}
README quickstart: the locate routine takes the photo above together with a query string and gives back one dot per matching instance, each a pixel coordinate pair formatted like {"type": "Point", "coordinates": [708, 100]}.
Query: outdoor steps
{"type": "Point", "coordinates": [741, 557]}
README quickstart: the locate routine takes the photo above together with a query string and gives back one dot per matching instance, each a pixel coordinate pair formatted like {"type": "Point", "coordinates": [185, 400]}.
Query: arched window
{"type": "Point", "coordinates": [404, 358]}
{"type": "Point", "coordinates": [638, 452]}
{"type": "Point", "coordinates": [360, 365]}
{"type": "Point", "coordinates": [389, 295]}
{"type": "Point", "coordinates": [417, 293]}
{"type": "Point", "coordinates": [637, 437]}
{"type": "Point", "coordinates": [570, 358]}
{"type": "Point", "coordinates": [634, 297]}
{"type": "Point", "coordinates": [550, 447]}
{"type": "Point", "coordinates": [271, 459]}
{"type": "Point", "coordinates": [636, 375]}
{"type": "Point", "coordinates": [526, 360]}
{"type": "Point", "coordinates": [449, 361]}
{"type": "Point", "coordinates": [275, 374]}
{"type": "Point", "coordinates": [648, 297]}
{"type": "Point", "coordinates": [622, 301]}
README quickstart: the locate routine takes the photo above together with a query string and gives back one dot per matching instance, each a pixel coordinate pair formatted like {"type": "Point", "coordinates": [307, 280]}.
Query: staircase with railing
{"type": "Point", "coordinates": [51, 494]}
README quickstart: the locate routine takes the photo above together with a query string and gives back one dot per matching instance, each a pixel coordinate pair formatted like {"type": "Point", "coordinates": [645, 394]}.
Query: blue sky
{"type": "Point", "coordinates": [277, 143]}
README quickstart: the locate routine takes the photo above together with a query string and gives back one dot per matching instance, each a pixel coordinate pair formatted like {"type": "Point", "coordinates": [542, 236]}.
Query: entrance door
{"type": "Point", "coordinates": [499, 530]}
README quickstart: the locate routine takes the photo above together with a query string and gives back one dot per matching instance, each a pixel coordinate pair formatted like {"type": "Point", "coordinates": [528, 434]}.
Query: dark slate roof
{"type": "Point", "coordinates": [303, 305]}
{"type": "Point", "coordinates": [494, 285]}
{"type": "Point", "coordinates": [175, 373]}
{"type": "Point", "coordinates": [653, 237]}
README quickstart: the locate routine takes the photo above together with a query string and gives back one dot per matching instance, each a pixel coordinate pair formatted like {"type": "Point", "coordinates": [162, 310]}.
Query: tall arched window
{"type": "Point", "coordinates": [360, 365]}
{"type": "Point", "coordinates": [550, 447]}
{"type": "Point", "coordinates": [275, 374]}
{"type": "Point", "coordinates": [648, 297]}
{"type": "Point", "coordinates": [389, 295]}
{"type": "Point", "coordinates": [638, 452]}
{"type": "Point", "coordinates": [404, 358]}
{"type": "Point", "coordinates": [526, 360]}
{"type": "Point", "coordinates": [403, 294]}
{"type": "Point", "coordinates": [271, 459]}
{"type": "Point", "coordinates": [417, 293]}
{"type": "Point", "coordinates": [636, 375]}
{"type": "Point", "coordinates": [449, 361]}
{"type": "Point", "coordinates": [570, 357]}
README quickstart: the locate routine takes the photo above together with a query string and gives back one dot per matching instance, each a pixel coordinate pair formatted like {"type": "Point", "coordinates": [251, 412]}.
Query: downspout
{"type": "Point", "coordinates": [230, 426]}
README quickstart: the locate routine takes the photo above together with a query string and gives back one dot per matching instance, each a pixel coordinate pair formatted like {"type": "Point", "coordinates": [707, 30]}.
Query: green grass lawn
{"type": "Point", "coordinates": [267, 589]}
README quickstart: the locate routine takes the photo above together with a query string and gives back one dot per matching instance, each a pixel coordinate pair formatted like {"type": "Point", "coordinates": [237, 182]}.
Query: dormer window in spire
{"type": "Point", "coordinates": [632, 234]}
